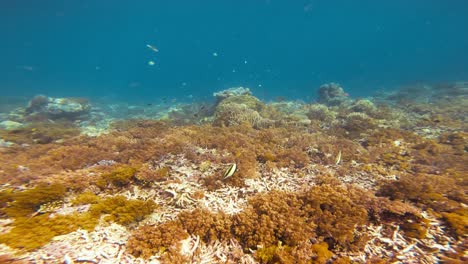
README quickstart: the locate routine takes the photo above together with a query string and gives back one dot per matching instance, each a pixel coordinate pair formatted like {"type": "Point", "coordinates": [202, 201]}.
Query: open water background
{"type": "Point", "coordinates": [276, 47]}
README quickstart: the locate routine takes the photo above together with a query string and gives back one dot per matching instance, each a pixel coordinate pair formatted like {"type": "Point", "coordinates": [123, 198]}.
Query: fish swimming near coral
{"type": "Point", "coordinates": [338, 158]}
{"type": "Point", "coordinates": [230, 171]}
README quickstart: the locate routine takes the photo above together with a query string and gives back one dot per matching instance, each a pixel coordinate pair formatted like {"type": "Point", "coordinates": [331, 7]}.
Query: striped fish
{"type": "Point", "coordinates": [230, 171]}
{"type": "Point", "coordinates": [338, 158]}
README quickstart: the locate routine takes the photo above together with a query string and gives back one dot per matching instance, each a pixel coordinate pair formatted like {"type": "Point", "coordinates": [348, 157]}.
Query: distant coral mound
{"type": "Point", "coordinates": [233, 91]}
{"type": "Point", "coordinates": [236, 106]}
{"type": "Point", "coordinates": [42, 107]}
{"type": "Point", "coordinates": [332, 94]}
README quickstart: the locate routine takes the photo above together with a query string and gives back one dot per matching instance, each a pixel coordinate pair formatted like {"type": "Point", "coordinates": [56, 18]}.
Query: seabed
{"type": "Point", "coordinates": [237, 180]}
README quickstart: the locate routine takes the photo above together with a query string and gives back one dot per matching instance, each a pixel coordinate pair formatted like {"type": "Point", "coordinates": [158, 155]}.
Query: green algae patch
{"type": "Point", "coordinates": [25, 203]}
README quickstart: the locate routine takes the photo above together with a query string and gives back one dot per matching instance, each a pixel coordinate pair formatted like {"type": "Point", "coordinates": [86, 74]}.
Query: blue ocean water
{"type": "Point", "coordinates": [275, 47]}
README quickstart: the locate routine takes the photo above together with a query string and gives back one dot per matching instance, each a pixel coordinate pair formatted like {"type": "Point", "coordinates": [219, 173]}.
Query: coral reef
{"type": "Point", "coordinates": [364, 106]}
{"type": "Point", "coordinates": [31, 230]}
{"type": "Point", "coordinates": [357, 123]}
{"type": "Point", "coordinates": [233, 114]}
{"type": "Point", "coordinates": [10, 125]}
{"type": "Point", "coordinates": [321, 113]}
{"type": "Point", "coordinates": [40, 132]}
{"type": "Point", "coordinates": [42, 108]}
{"type": "Point", "coordinates": [233, 91]}
{"type": "Point", "coordinates": [332, 94]}
{"type": "Point", "coordinates": [342, 180]}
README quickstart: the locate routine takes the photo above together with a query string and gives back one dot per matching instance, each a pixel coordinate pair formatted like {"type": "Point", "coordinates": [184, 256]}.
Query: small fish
{"type": "Point", "coordinates": [151, 63]}
{"type": "Point", "coordinates": [27, 68]}
{"type": "Point", "coordinates": [230, 171]}
{"type": "Point", "coordinates": [338, 158]}
{"type": "Point", "coordinates": [153, 48]}
{"type": "Point", "coordinates": [149, 104]}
